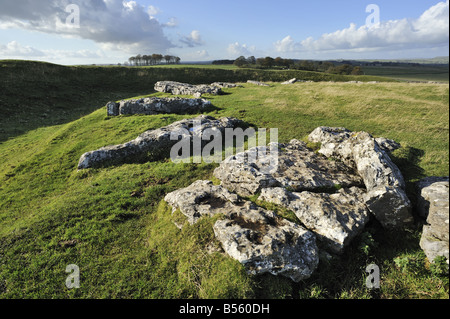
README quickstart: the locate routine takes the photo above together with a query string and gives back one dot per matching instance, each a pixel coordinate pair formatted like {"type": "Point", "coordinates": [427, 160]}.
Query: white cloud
{"type": "Point", "coordinates": [430, 30]}
{"type": "Point", "coordinates": [152, 11]}
{"type": "Point", "coordinates": [173, 22]}
{"type": "Point", "coordinates": [286, 45]}
{"type": "Point", "coordinates": [193, 39]}
{"type": "Point", "coordinates": [236, 49]}
{"type": "Point", "coordinates": [15, 49]}
{"type": "Point", "coordinates": [122, 25]}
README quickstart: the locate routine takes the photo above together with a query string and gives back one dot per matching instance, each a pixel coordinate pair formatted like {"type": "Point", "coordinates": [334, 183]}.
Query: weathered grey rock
{"type": "Point", "coordinates": [155, 143]}
{"type": "Point", "coordinates": [203, 198]}
{"type": "Point", "coordinates": [434, 204]}
{"type": "Point", "coordinates": [335, 218]}
{"type": "Point", "coordinates": [386, 197]}
{"type": "Point", "coordinates": [387, 145]}
{"type": "Point", "coordinates": [225, 85]}
{"type": "Point", "coordinates": [259, 239]}
{"type": "Point", "coordinates": [293, 166]}
{"type": "Point", "coordinates": [177, 88]}
{"type": "Point", "coordinates": [265, 243]}
{"type": "Point", "coordinates": [112, 109]}
{"type": "Point", "coordinates": [430, 190]}
{"type": "Point", "coordinates": [257, 83]}
{"type": "Point", "coordinates": [291, 81]}
{"type": "Point", "coordinates": [155, 105]}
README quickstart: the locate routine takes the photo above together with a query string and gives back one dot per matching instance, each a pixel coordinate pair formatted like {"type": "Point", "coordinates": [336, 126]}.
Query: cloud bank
{"type": "Point", "coordinates": [114, 24]}
{"type": "Point", "coordinates": [430, 30]}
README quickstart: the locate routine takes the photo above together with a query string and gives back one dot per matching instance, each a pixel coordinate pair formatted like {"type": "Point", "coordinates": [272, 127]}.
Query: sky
{"type": "Point", "coordinates": [110, 31]}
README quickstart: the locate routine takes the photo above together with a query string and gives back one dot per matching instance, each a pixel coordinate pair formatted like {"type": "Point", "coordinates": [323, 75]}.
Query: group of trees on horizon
{"type": "Point", "coordinates": [153, 59]}
{"type": "Point", "coordinates": [305, 65]}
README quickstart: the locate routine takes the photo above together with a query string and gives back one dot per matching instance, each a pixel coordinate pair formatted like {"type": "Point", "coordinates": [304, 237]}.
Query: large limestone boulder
{"type": "Point", "coordinates": [262, 241]}
{"type": "Point", "coordinates": [177, 88]}
{"type": "Point", "coordinates": [265, 243]}
{"type": "Point", "coordinates": [292, 165]}
{"type": "Point", "coordinates": [155, 143]}
{"type": "Point", "coordinates": [433, 204]}
{"type": "Point", "coordinates": [154, 105]}
{"type": "Point", "coordinates": [385, 197]}
{"type": "Point", "coordinates": [335, 218]}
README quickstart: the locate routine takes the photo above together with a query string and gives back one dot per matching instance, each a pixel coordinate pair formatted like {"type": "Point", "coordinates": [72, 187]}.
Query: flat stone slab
{"type": "Point", "coordinates": [257, 83]}
{"type": "Point", "coordinates": [156, 143]}
{"type": "Point", "coordinates": [225, 85]}
{"type": "Point", "coordinates": [294, 166]}
{"type": "Point", "coordinates": [259, 239]}
{"type": "Point", "coordinates": [178, 88]}
{"type": "Point", "coordinates": [155, 105]}
{"type": "Point", "coordinates": [291, 81]}
{"type": "Point", "coordinates": [335, 218]}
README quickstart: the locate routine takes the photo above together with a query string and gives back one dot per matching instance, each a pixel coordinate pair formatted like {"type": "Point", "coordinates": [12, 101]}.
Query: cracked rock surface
{"type": "Point", "coordinates": [335, 218]}
{"type": "Point", "coordinates": [154, 143]}
{"type": "Point", "coordinates": [155, 105]}
{"type": "Point", "coordinates": [293, 166]}
{"type": "Point", "coordinates": [386, 197]}
{"type": "Point", "coordinates": [178, 88]}
{"type": "Point", "coordinates": [259, 239]}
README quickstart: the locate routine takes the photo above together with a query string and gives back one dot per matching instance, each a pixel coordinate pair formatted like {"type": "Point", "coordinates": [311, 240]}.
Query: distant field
{"type": "Point", "coordinates": [113, 224]}
{"type": "Point", "coordinates": [410, 73]}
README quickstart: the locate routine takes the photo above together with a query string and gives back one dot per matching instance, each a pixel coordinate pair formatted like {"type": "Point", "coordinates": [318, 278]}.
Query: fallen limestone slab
{"type": "Point", "coordinates": [433, 203]}
{"type": "Point", "coordinates": [156, 143]}
{"type": "Point", "coordinates": [259, 239]}
{"type": "Point", "coordinates": [225, 85]}
{"type": "Point", "coordinates": [385, 197]}
{"type": "Point", "coordinates": [178, 88]}
{"type": "Point", "coordinates": [155, 105]}
{"type": "Point", "coordinates": [293, 166]}
{"type": "Point", "coordinates": [291, 81]}
{"type": "Point", "coordinates": [335, 218]}
{"type": "Point", "coordinates": [257, 83]}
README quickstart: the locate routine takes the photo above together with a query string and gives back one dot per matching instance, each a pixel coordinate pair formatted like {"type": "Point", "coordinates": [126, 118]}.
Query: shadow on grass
{"type": "Point", "coordinates": [408, 159]}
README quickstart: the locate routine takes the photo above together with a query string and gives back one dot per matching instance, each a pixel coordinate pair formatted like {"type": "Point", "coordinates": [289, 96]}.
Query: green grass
{"type": "Point", "coordinates": [123, 236]}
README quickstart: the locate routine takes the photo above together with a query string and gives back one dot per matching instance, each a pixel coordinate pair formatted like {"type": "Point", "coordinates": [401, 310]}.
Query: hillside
{"type": "Point", "coordinates": [112, 222]}
{"type": "Point", "coordinates": [36, 94]}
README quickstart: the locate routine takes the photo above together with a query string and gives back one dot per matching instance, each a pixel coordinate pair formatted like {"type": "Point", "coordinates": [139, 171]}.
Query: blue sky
{"type": "Point", "coordinates": [110, 31]}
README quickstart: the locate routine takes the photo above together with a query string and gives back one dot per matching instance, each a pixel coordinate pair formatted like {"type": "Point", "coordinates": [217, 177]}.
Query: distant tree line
{"type": "Point", "coordinates": [221, 62]}
{"type": "Point", "coordinates": [143, 60]}
{"type": "Point", "coordinates": [306, 65]}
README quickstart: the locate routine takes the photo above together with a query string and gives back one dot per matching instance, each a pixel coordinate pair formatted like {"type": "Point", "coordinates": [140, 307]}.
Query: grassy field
{"type": "Point", "coordinates": [113, 224]}
{"type": "Point", "coordinates": [438, 73]}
